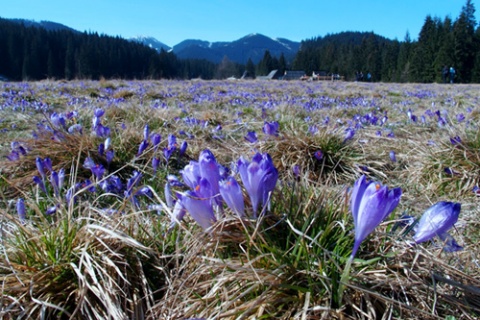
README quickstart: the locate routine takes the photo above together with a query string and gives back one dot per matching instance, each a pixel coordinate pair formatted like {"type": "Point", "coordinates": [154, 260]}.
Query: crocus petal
{"type": "Point", "coordinates": [142, 147]}
{"type": "Point", "coordinates": [146, 132]}
{"type": "Point", "coordinates": [232, 194]}
{"type": "Point", "coordinates": [191, 174]}
{"type": "Point", "coordinates": [168, 194]}
{"type": "Point", "coordinates": [47, 163]}
{"type": "Point", "coordinates": [450, 245]}
{"type": "Point", "coordinates": [40, 183]}
{"type": "Point", "coordinates": [110, 155]}
{"type": "Point", "coordinates": [54, 180]}
{"type": "Point", "coordinates": [209, 169]}
{"type": "Point", "coordinates": [251, 136]}
{"type": "Point", "coordinates": [40, 167]}
{"type": "Point", "coordinates": [21, 211]}
{"type": "Point", "coordinates": [155, 164]}
{"type": "Point", "coordinates": [200, 210]}
{"type": "Point", "coordinates": [183, 148]}
{"type": "Point", "coordinates": [437, 220]}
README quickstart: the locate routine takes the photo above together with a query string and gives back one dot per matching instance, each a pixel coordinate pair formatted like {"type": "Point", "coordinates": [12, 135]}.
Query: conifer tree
{"type": "Point", "coordinates": [464, 42]}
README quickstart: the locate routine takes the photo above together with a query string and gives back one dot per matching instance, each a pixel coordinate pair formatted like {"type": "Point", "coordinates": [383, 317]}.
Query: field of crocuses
{"type": "Point", "coordinates": [239, 200]}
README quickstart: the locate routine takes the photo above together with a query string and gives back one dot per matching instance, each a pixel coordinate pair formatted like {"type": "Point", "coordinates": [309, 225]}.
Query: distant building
{"type": "Point", "coordinates": [270, 76]}
{"type": "Point", "coordinates": [293, 75]}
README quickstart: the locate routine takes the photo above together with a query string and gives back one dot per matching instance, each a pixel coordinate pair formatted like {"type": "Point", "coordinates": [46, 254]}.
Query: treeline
{"type": "Point", "coordinates": [34, 53]}
{"type": "Point", "coordinates": [441, 43]}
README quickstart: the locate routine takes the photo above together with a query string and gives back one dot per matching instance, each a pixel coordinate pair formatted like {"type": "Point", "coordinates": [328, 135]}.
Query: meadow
{"type": "Point", "coordinates": [233, 200]}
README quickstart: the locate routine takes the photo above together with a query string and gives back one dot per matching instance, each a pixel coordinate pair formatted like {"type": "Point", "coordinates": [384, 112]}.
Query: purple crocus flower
{"type": "Point", "coordinates": [232, 194]}
{"type": "Point", "coordinates": [51, 210]}
{"type": "Point", "coordinates": [251, 136]}
{"type": "Point", "coordinates": [87, 184]}
{"type": "Point", "coordinates": [155, 164]}
{"type": "Point", "coordinates": [40, 167]}
{"type": "Point", "coordinates": [76, 128]}
{"type": "Point", "coordinates": [102, 131]}
{"type": "Point", "coordinates": [455, 140]}
{"type": "Point", "coordinates": [318, 154]}
{"type": "Point", "coordinates": [476, 190]}
{"type": "Point", "coordinates": [133, 181]}
{"type": "Point", "coordinates": [156, 139]}
{"type": "Point", "coordinates": [99, 113]}
{"type": "Point", "coordinates": [296, 171]}
{"type": "Point", "coordinates": [393, 157]}
{"type": "Point", "coordinates": [98, 170]}
{"type": "Point", "coordinates": [167, 153]}
{"type": "Point", "coordinates": [371, 203]}
{"type": "Point", "coordinates": [58, 120]}
{"type": "Point", "coordinates": [47, 163]}
{"type": "Point", "coordinates": [172, 142]}
{"type": "Point", "coordinates": [21, 211]}
{"type": "Point", "coordinates": [54, 180]}
{"type": "Point", "coordinates": [259, 178]}
{"type": "Point", "coordinates": [142, 147]}
{"type": "Point", "coordinates": [109, 156]}
{"type": "Point", "coordinates": [437, 220]}
{"type": "Point", "coordinates": [271, 128]}
{"type": "Point", "coordinates": [13, 156]}
{"type": "Point", "coordinates": [112, 184]}
{"type": "Point", "coordinates": [349, 133]}
{"type": "Point", "coordinates": [183, 148]}
{"type": "Point", "coordinates": [40, 183]}
{"type": "Point", "coordinates": [101, 149]}
{"type": "Point", "coordinates": [144, 191]}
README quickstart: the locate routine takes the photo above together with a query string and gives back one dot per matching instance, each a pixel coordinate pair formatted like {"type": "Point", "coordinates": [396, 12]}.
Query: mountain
{"type": "Point", "coordinates": [47, 25]}
{"type": "Point", "coordinates": [252, 46]}
{"type": "Point", "coordinates": [151, 42]}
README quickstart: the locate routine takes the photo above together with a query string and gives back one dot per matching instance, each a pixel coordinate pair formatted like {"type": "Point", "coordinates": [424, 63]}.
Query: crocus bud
{"type": "Point", "coordinates": [437, 220]}
{"type": "Point", "coordinates": [371, 203]}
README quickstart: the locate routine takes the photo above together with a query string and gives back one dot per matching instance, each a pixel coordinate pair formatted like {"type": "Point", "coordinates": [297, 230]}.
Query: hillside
{"type": "Point", "coordinates": [252, 47]}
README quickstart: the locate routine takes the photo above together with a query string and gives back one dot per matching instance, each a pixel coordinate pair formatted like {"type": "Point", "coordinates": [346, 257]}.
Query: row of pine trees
{"type": "Point", "coordinates": [441, 43]}
{"type": "Point", "coordinates": [32, 53]}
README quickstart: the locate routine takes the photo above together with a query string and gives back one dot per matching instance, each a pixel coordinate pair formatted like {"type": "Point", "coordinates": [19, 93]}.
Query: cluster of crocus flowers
{"type": "Point", "coordinates": [98, 127]}
{"type": "Point", "coordinates": [210, 187]}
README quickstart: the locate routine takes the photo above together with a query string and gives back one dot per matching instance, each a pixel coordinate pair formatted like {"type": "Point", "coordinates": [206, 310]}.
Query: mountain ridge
{"type": "Point", "coordinates": [251, 46]}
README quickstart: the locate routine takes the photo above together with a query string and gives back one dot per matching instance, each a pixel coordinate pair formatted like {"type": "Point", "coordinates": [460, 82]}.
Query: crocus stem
{"type": "Point", "coordinates": [344, 279]}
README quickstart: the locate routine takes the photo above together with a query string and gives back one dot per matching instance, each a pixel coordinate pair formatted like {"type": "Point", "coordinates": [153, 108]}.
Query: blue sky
{"type": "Point", "coordinates": [225, 20]}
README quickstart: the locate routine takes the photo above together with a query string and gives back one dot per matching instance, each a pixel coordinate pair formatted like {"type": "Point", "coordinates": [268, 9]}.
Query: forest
{"type": "Point", "coordinates": [32, 53]}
